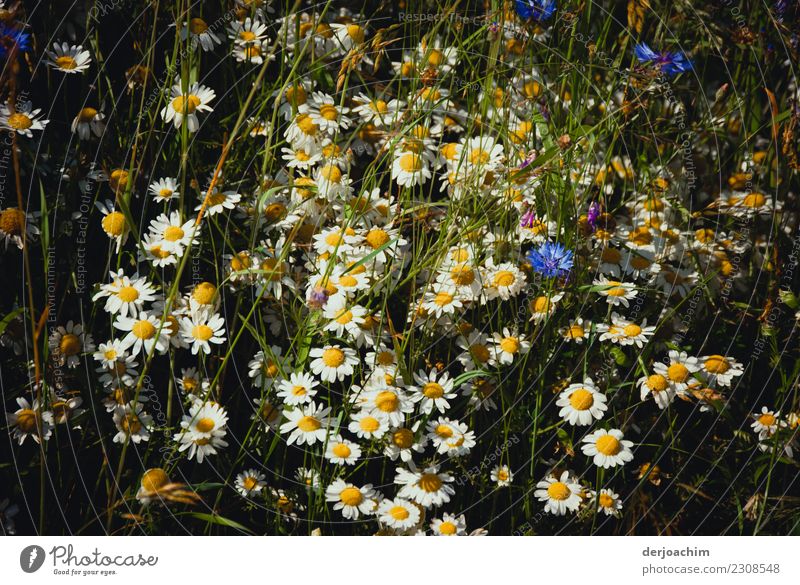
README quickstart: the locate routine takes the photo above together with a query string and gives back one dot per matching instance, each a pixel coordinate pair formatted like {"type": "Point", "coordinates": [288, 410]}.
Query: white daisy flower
{"type": "Point", "coordinates": [720, 369]}
{"type": "Point", "coordinates": [164, 189]}
{"type": "Point", "coordinates": [615, 292]}
{"type": "Point", "coordinates": [508, 345]}
{"type": "Point", "coordinates": [23, 120]}
{"type": "Point", "coordinates": [403, 443]}
{"type": "Point", "coordinates": [608, 502]}
{"type": "Point", "coordinates": [30, 421]}
{"type": "Point", "coordinates": [201, 34]}
{"type": "Point", "coordinates": [69, 342]}
{"type": "Point", "coordinates": [505, 280]}
{"type": "Point", "coordinates": [144, 332]}
{"type": "Point", "coordinates": [69, 59]}
{"type": "Point", "coordinates": [560, 495]}
{"type": "Point", "coordinates": [398, 513]}
{"type": "Point", "coordinates": [427, 487]}
{"type": "Point", "coordinates": [333, 363]}
{"type": "Point", "coordinates": [582, 404]}
{"type": "Point", "coordinates": [432, 391]}
{"type": "Point", "coordinates": [607, 448]}
{"type": "Point", "coordinates": [88, 121]}
{"type": "Point", "coordinates": [187, 105]}
{"type": "Point", "coordinates": [679, 370]}
{"type": "Point", "coordinates": [132, 424]}
{"type": "Point", "coordinates": [343, 318]}
{"type": "Point", "coordinates": [449, 525]}
{"type": "Point", "coordinates": [341, 451]}
{"type": "Point", "coordinates": [306, 424]}
{"type": "Point", "coordinates": [410, 169]}
{"type": "Point", "coordinates": [299, 388]}
{"type": "Point", "coordinates": [659, 387]}
{"type": "Point", "coordinates": [125, 295]}
{"type": "Point", "coordinates": [201, 328]}
{"type": "Point", "coordinates": [250, 482]}
{"type": "Point", "coordinates": [172, 234]}
{"type": "Point", "coordinates": [353, 501]}
{"type": "Point", "coordinates": [502, 476]}
{"type": "Point", "coordinates": [368, 425]}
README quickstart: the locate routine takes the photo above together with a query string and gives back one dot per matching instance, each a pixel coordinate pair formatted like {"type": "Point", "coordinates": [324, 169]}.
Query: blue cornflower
{"type": "Point", "coordinates": [10, 37]}
{"type": "Point", "coordinates": [669, 63]}
{"type": "Point", "coordinates": [551, 260]}
{"type": "Point", "coordinates": [538, 10]}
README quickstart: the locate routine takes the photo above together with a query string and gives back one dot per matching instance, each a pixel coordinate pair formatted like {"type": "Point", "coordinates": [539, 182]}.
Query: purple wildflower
{"type": "Point", "coordinates": [593, 214]}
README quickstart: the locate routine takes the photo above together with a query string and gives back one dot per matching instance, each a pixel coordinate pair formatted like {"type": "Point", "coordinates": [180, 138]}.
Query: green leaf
{"type": "Point", "coordinates": [8, 318]}
{"type": "Point", "coordinates": [468, 376]}
{"type": "Point", "coordinates": [221, 521]}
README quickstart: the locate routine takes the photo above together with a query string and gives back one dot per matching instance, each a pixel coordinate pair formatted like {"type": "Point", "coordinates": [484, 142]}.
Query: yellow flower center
{"type": "Point", "coordinates": [410, 162]}
{"type": "Point", "coordinates": [154, 479]}
{"type": "Point", "coordinates": [247, 36]}
{"type": "Point", "coordinates": [767, 419]}
{"type": "Point", "coordinates": [717, 364]}
{"type": "Point", "coordinates": [448, 528]}
{"type": "Point", "coordinates": [443, 298]}
{"type": "Point", "coordinates": [478, 156]}
{"type": "Point", "coordinates": [433, 390]}
{"type": "Point", "coordinates": [204, 293]}
{"type": "Point", "coordinates": [173, 233]}
{"type": "Point", "coordinates": [480, 352]}
{"type": "Point", "coordinates": [249, 482]}
{"type": "Point", "coordinates": [387, 401]}
{"type": "Point", "coordinates": [504, 278]}
{"type": "Point", "coordinates": [341, 450]}
{"type": "Point", "coordinates": [26, 420]}
{"type": "Point", "coordinates": [187, 104]}
{"type": "Point", "coordinates": [351, 496]}
{"type": "Point", "coordinates": [403, 438]}
{"type": "Point", "coordinates": [66, 62]}
{"type": "Point", "coordinates": [510, 345]}
{"type": "Point", "coordinates": [558, 491]}
{"type": "Point", "coordinates": [331, 173]}
{"type": "Point", "coordinates": [205, 425]}
{"type": "Point", "coordinates": [333, 357]}
{"type": "Point", "coordinates": [399, 513]}
{"type": "Point", "coordinates": [308, 424]}
{"type": "Point", "coordinates": [581, 399]}
{"type": "Point", "coordinates": [18, 121]}
{"type": "Point", "coordinates": [328, 112]}
{"type": "Point", "coordinates": [69, 344]}
{"type": "Point", "coordinates": [86, 115]}
{"type": "Point", "coordinates": [608, 445]}
{"type": "Point", "coordinates": [462, 275]}
{"type": "Point", "coordinates": [632, 330]}
{"type": "Point", "coordinates": [369, 424]}
{"type": "Point", "coordinates": [128, 294]}
{"type": "Point", "coordinates": [605, 501]}
{"type": "Point", "coordinates": [113, 223]}
{"type": "Point", "coordinates": [143, 329]}
{"type": "Point", "coordinates": [575, 331]}
{"type": "Point", "coordinates": [202, 332]}
{"type": "Point", "coordinates": [430, 482]}
{"type": "Point", "coordinates": [197, 26]}
{"type": "Point", "coordinates": [377, 238]}
{"type": "Point", "coordinates": [444, 431]}
{"type": "Point", "coordinates": [677, 372]}
{"type": "Point", "coordinates": [657, 383]}
{"type": "Point", "coordinates": [12, 220]}
{"type": "Point", "coordinates": [754, 200]}
{"type": "Point", "coordinates": [306, 124]}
